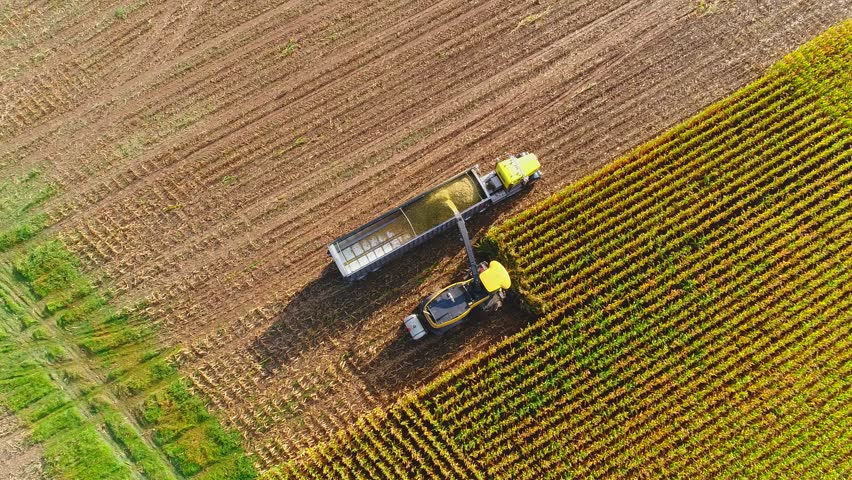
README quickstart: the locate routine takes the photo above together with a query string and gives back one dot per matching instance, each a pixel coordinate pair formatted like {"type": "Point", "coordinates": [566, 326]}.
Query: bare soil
{"type": "Point", "coordinates": [19, 459]}
{"type": "Point", "coordinates": [207, 152]}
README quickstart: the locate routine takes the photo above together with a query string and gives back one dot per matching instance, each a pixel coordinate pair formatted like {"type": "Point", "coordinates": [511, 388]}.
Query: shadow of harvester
{"type": "Point", "coordinates": [359, 326]}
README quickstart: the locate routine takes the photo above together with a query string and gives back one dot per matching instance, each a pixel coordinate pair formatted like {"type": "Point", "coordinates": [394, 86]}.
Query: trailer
{"type": "Point", "coordinates": [377, 243]}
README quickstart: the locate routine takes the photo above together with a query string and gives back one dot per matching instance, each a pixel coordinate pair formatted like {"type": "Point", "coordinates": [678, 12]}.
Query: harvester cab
{"type": "Point", "coordinates": [448, 307]}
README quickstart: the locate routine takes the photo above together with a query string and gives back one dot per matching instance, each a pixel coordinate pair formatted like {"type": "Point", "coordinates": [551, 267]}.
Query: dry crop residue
{"type": "Point", "coordinates": [205, 154]}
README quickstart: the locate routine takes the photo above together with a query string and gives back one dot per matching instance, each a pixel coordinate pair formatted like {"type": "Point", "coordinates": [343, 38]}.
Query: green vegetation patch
{"type": "Point", "coordinates": [49, 268]}
{"type": "Point", "coordinates": [69, 334]}
{"type": "Point", "coordinates": [192, 437]}
{"type": "Point", "coordinates": [81, 453]}
{"type": "Point", "coordinates": [137, 450]}
{"type": "Point", "coordinates": [20, 198]}
{"type": "Point", "coordinates": [22, 232]}
{"type": "Point", "coordinates": [73, 449]}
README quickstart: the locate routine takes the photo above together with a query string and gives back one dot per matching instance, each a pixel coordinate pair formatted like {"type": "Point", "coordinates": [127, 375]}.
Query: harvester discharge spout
{"type": "Point", "coordinates": [471, 257]}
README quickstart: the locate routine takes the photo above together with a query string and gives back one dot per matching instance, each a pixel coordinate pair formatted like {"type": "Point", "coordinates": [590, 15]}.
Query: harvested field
{"type": "Point", "coordinates": [202, 154]}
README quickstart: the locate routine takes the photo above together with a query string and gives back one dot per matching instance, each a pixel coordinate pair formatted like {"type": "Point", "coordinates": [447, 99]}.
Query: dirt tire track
{"type": "Point", "coordinates": [19, 458]}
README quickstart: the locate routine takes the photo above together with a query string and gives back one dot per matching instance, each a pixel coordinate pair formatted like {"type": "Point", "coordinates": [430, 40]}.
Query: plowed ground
{"type": "Point", "coordinates": [206, 153]}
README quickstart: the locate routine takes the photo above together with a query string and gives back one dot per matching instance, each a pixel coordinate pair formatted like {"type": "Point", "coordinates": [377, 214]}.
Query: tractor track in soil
{"type": "Point", "coordinates": [19, 458]}
{"type": "Point", "coordinates": [205, 170]}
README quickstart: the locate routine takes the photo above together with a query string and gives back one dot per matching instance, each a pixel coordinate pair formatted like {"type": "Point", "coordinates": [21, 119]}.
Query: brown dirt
{"type": "Point", "coordinates": [205, 165]}
{"type": "Point", "coordinates": [19, 459]}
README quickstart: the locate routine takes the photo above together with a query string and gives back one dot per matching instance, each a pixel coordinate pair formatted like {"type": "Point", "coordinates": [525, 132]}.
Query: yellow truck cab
{"type": "Point", "coordinates": [515, 170]}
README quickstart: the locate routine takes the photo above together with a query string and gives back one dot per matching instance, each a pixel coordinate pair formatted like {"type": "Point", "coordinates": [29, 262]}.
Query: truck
{"type": "Point", "coordinates": [390, 235]}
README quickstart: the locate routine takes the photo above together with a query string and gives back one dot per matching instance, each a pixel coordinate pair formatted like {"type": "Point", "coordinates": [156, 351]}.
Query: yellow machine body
{"type": "Point", "coordinates": [513, 171]}
{"type": "Point", "coordinates": [495, 277]}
